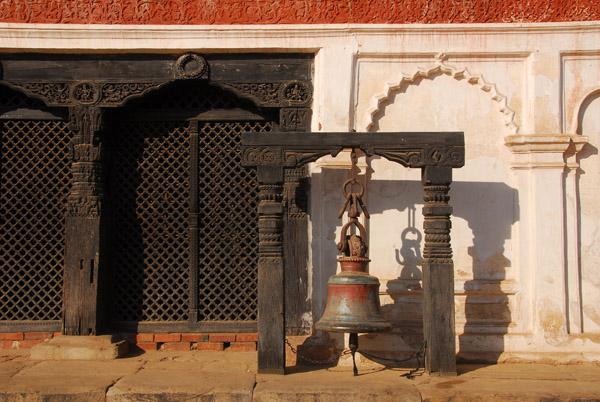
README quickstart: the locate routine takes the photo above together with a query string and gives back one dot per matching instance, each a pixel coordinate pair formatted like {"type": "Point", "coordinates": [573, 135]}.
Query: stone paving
{"type": "Point", "coordinates": [231, 376]}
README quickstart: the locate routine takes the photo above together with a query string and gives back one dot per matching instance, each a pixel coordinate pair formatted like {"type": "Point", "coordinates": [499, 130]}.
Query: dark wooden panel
{"type": "Point", "coordinates": [271, 317]}
{"type": "Point", "coordinates": [30, 326]}
{"type": "Point", "coordinates": [295, 249]}
{"type": "Point", "coordinates": [260, 68]}
{"type": "Point", "coordinates": [49, 67]}
{"type": "Point", "coordinates": [438, 318]}
{"type": "Point", "coordinates": [297, 303]}
{"type": "Point", "coordinates": [82, 259]}
{"type": "Point", "coordinates": [141, 67]}
{"type": "Point", "coordinates": [347, 140]}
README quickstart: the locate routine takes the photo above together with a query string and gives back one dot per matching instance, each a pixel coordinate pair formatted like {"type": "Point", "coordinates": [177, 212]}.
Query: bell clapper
{"type": "Point", "coordinates": [353, 344]}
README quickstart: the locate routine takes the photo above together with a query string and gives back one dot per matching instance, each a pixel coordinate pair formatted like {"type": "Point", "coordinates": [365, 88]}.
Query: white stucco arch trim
{"type": "Point", "coordinates": [460, 74]}
{"type": "Point", "coordinates": [575, 125]}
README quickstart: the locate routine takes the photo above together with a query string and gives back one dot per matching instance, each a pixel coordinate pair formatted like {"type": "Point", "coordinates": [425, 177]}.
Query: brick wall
{"type": "Point", "coordinates": [24, 340]}
{"type": "Point", "coordinates": [149, 341]}
{"type": "Point", "coordinates": [194, 341]}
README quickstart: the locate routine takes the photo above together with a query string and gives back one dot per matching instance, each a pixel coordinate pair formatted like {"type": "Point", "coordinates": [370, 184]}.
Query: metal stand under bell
{"type": "Point", "coordinates": [353, 294]}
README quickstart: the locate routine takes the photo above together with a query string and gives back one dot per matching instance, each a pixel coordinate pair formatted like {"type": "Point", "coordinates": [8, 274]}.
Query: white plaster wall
{"type": "Point", "coordinates": [589, 192]}
{"type": "Point", "coordinates": [525, 234]}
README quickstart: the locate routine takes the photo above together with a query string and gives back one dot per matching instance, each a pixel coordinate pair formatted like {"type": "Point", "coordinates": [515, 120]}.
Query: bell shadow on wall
{"type": "Point", "coordinates": [489, 208]}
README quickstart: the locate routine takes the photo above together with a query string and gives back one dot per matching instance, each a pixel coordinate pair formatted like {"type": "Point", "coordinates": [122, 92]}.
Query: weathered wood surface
{"type": "Point", "coordinates": [82, 313]}
{"type": "Point", "coordinates": [85, 228]}
{"type": "Point", "coordinates": [297, 299]}
{"type": "Point", "coordinates": [438, 273]}
{"type": "Point", "coordinates": [271, 275]}
{"type": "Point", "coordinates": [255, 68]}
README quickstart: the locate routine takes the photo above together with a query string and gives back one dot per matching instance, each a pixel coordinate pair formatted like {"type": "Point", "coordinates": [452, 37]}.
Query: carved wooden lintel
{"type": "Point", "coordinates": [95, 93]}
{"type": "Point", "coordinates": [87, 83]}
{"type": "Point", "coordinates": [293, 93]}
{"type": "Point", "coordinates": [415, 150]}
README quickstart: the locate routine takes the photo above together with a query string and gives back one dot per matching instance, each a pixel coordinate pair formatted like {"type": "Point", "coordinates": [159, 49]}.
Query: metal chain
{"type": "Point", "coordinates": [326, 361]}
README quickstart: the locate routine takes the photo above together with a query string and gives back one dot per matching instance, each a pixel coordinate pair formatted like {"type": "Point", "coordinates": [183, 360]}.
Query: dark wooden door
{"type": "Point", "coordinates": [184, 233]}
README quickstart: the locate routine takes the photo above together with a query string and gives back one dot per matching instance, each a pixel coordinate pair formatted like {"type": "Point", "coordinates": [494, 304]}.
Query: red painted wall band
{"type": "Point", "coordinates": [196, 12]}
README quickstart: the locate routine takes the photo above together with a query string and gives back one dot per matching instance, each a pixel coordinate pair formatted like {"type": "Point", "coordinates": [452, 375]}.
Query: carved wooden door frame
{"type": "Point", "coordinates": [88, 86]}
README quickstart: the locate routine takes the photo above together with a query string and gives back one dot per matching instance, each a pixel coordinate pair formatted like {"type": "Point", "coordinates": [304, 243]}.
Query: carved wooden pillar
{"type": "Point", "coordinates": [271, 304]}
{"type": "Point", "coordinates": [438, 273]}
{"type": "Point", "coordinates": [84, 225]}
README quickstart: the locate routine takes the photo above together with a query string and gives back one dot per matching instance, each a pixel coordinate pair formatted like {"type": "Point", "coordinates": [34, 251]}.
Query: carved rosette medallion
{"type": "Point", "coordinates": [295, 93]}
{"type": "Point", "coordinates": [85, 93]}
{"type": "Point", "coordinates": [261, 156]}
{"type": "Point", "coordinates": [191, 65]}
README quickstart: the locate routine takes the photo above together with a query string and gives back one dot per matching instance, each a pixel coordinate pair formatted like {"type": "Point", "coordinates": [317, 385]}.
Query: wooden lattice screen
{"type": "Point", "coordinates": [175, 162]}
{"type": "Point", "coordinates": [35, 177]}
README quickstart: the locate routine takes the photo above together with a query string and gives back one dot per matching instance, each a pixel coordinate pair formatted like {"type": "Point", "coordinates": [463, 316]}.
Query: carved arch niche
{"type": "Point", "coordinates": [448, 99]}
{"type": "Point", "coordinates": [589, 188]}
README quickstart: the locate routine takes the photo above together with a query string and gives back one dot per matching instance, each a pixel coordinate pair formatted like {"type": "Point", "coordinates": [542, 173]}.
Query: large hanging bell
{"type": "Point", "coordinates": [353, 298]}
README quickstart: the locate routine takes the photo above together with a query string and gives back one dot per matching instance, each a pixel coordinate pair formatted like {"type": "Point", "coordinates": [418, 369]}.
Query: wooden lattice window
{"type": "Point", "coordinates": [185, 237]}
{"type": "Point", "coordinates": [35, 177]}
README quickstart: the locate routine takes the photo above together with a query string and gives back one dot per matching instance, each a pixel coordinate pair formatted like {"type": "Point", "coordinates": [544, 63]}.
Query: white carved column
{"type": "Point", "coordinates": [548, 213]}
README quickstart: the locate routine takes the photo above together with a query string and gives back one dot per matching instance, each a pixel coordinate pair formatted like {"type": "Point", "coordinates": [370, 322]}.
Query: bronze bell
{"type": "Point", "coordinates": [353, 298]}
{"type": "Point", "coordinates": [353, 294]}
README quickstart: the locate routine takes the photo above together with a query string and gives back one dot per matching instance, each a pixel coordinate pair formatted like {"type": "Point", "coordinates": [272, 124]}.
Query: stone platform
{"type": "Point", "coordinates": [231, 376]}
{"type": "Point", "coordinates": [101, 347]}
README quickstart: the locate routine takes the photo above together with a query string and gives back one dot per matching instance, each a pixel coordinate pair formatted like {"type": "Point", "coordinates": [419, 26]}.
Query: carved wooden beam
{"type": "Point", "coordinates": [98, 81]}
{"type": "Point", "coordinates": [411, 149]}
{"type": "Point", "coordinates": [111, 80]}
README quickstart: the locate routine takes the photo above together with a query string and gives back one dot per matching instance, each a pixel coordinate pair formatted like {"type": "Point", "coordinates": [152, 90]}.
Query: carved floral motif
{"type": "Point", "coordinates": [183, 12]}
{"type": "Point", "coordinates": [56, 93]}
{"type": "Point", "coordinates": [85, 93]}
{"type": "Point", "coordinates": [291, 93]}
{"type": "Point", "coordinates": [116, 93]}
